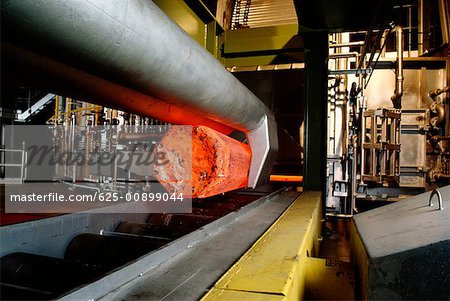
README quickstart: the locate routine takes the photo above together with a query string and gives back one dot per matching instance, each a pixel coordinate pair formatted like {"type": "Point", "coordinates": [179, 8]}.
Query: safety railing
{"type": "Point", "coordinates": [21, 165]}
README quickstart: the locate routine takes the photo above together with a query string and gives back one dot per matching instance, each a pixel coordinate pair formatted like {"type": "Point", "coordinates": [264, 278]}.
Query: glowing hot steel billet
{"type": "Point", "coordinates": [211, 163]}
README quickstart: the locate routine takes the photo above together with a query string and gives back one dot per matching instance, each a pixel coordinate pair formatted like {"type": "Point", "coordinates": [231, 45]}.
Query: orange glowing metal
{"type": "Point", "coordinates": [219, 163]}
{"type": "Point", "coordinates": [286, 178]}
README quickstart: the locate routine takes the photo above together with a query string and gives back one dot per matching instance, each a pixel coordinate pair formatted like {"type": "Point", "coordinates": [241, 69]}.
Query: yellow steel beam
{"type": "Point", "coordinates": [263, 46]}
{"type": "Point", "coordinates": [180, 12]}
{"type": "Point", "coordinates": [261, 39]}
{"type": "Point", "coordinates": [329, 280]}
{"type": "Point", "coordinates": [56, 105]}
{"type": "Point", "coordinates": [275, 266]}
{"type": "Point", "coordinates": [360, 259]}
{"type": "Point", "coordinates": [55, 117]}
{"type": "Point", "coordinates": [220, 294]}
{"type": "Point", "coordinates": [204, 33]}
{"type": "Point", "coordinates": [259, 60]}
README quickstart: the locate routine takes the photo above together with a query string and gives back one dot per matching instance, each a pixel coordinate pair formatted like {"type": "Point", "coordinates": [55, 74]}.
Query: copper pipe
{"type": "Point", "coordinates": [440, 111]}
{"type": "Point", "coordinates": [436, 92]}
{"type": "Point", "coordinates": [398, 93]}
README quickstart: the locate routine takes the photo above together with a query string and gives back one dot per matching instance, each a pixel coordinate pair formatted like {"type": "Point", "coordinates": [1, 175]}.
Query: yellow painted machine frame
{"type": "Point", "coordinates": [275, 267]}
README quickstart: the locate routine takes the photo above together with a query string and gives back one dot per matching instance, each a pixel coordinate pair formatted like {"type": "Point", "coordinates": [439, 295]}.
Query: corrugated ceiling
{"type": "Point", "coordinates": [262, 13]}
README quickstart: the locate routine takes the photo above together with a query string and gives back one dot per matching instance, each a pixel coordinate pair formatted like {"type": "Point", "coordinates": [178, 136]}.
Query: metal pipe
{"type": "Point", "coordinates": [444, 20]}
{"type": "Point", "coordinates": [398, 93]}
{"type": "Point", "coordinates": [420, 22]}
{"type": "Point", "coordinates": [441, 114]}
{"type": "Point", "coordinates": [348, 44]}
{"type": "Point", "coordinates": [440, 111]}
{"type": "Point", "coordinates": [364, 50]}
{"type": "Point", "coordinates": [344, 55]}
{"type": "Point", "coordinates": [28, 67]}
{"type": "Point", "coordinates": [437, 92]}
{"type": "Point", "coordinates": [137, 45]}
{"type": "Point", "coordinates": [439, 138]}
{"type": "Point", "coordinates": [441, 176]}
{"type": "Point", "coordinates": [439, 196]}
{"type": "Point", "coordinates": [56, 112]}
{"type": "Point", "coordinates": [134, 44]}
{"type": "Point", "coordinates": [384, 38]}
{"type": "Point", "coordinates": [372, 52]}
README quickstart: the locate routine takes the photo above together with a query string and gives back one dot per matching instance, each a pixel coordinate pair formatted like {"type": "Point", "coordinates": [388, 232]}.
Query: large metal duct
{"type": "Point", "coordinates": [23, 67]}
{"type": "Point", "coordinates": [134, 44]}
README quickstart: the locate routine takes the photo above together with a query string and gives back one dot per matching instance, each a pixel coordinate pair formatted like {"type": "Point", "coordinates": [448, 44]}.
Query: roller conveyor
{"type": "Point", "coordinates": [92, 256]}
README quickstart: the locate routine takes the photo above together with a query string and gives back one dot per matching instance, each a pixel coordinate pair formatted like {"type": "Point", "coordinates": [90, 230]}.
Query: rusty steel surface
{"type": "Point", "coordinates": [209, 164]}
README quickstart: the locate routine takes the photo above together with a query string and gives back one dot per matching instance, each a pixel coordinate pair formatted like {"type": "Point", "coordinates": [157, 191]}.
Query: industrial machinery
{"type": "Point", "coordinates": [148, 66]}
{"type": "Point", "coordinates": [274, 118]}
{"type": "Point", "coordinates": [156, 88]}
{"type": "Point", "coordinates": [388, 130]}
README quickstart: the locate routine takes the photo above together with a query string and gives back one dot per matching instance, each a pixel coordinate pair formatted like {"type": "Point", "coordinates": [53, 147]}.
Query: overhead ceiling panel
{"type": "Point", "coordinates": [263, 13]}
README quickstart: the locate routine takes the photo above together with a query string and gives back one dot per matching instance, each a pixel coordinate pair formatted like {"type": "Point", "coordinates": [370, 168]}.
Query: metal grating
{"type": "Point", "coordinates": [263, 13]}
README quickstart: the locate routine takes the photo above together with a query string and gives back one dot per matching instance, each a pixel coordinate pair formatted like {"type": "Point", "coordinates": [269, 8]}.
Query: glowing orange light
{"type": "Point", "coordinates": [219, 163]}
{"type": "Point", "coordinates": [286, 178]}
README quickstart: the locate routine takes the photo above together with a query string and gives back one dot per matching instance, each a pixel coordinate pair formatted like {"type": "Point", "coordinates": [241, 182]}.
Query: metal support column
{"type": "Point", "coordinates": [316, 52]}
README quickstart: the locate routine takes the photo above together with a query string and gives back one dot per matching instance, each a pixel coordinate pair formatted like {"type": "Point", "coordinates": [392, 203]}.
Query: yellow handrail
{"type": "Point", "coordinates": [56, 116]}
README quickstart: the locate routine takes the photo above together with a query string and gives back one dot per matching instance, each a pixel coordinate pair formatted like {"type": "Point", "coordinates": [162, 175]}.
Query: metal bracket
{"type": "Point", "coordinates": [436, 192]}
{"type": "Point", "coordinates": [264, 144]}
